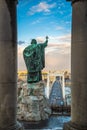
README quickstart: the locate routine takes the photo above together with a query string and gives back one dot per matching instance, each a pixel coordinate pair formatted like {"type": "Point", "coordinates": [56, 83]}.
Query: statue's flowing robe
{"type": "Point", "coordinates": [34, 56]}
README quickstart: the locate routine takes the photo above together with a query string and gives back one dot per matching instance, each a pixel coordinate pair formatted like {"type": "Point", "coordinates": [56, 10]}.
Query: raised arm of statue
{"type": "Point", "coordinates": [46, 42]}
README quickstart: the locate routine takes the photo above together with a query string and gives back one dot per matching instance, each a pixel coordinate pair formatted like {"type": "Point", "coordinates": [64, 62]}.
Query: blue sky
{"type": "Point", "coordinates": [40, 18]}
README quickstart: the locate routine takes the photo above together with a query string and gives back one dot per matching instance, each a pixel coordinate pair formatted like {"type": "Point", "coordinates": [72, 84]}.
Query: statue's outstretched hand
{"type": "Point", "coordinates": [47, 37]}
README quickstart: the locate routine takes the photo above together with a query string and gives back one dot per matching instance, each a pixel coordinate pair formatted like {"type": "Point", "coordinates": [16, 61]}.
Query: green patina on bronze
{"type": "Point", "coordinates": [34, 56]}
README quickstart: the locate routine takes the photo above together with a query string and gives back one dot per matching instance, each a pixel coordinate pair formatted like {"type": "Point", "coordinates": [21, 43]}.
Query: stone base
{"type": "Point", "coordinates": [32, 103]}
{"type": "Point", "coordinates": [17, 126]}
{"type": "Point", "coordinates": [28, 125]}
{"type": "Point", "coordinates": [72, 126]}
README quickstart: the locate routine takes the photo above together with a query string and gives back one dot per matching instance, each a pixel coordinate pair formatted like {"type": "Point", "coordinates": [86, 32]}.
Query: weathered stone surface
{"type": "Point", "coordinates": [72, 126]}
{"type": "Point", "coordinates": [8, 65]}
{"type": "Point", "coordinates": [32, 103]}
{"type": "Point", "coordinates": [79, 67]}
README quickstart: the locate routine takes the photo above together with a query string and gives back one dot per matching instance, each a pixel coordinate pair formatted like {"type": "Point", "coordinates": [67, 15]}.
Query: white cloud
{"type": "Point", "coordinates": [59, 27]}
{"type": "Point", "coordinates": [57, 39]}
{"type": "Point", "coordinates": [58, 57]}
{"type": "Point", "coordinates": [58, 61]}
{"type": "Point", "coordinates": [61, 39]}
{"type": "Point", "coordinates": [21, 64]}
{"type": "Point", "coordinates": [41, 7]}
{"type": "Point", "coordinates": [36, 22]}
{"type": "Point", "coordinates": [58, 48]}
{"type": "Point", "coordinates": [40, 39]}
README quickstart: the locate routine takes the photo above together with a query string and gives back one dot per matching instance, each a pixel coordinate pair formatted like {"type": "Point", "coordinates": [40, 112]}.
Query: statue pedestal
{"type": "Point", "coordinates": [32, 103]}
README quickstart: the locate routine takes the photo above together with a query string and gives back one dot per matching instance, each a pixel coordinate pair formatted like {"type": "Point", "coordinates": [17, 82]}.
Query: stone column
{"type": "Point", "coordinates": [79, 67]}
{"type": "Point", "coordinates": [8, 65]}
{"type": "Point", "coordinates": [48, 86]}
{"type": "Point", "coordinates": [63, 87]}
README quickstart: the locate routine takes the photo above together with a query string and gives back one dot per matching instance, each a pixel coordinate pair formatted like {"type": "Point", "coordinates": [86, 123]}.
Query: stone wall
{"type": "Point", "coordinates": [32, 103]}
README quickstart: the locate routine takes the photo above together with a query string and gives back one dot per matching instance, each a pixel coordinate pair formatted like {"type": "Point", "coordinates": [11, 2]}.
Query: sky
{"type": "Point", "coordinates": [40, 18]}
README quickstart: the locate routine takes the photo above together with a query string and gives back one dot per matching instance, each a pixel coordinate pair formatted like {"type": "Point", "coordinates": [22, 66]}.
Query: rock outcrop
{"type": "Point", "coordinates": [32, 103]}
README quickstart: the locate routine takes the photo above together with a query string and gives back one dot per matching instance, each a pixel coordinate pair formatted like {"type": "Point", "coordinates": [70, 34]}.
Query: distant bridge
{"type": "Point", "coordinates": [56, 95]}
{"type": "Point", "coordinates": [60, 79]}
{"type": "Point", "coordinates": [56, 101]}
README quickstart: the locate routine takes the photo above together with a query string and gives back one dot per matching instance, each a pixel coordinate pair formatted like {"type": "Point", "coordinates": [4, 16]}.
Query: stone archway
{"type": "Point", "coordinates": [8, 65]}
